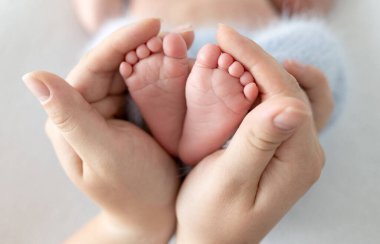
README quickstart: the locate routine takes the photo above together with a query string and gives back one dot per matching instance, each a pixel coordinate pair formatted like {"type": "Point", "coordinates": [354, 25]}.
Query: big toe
{"type": "Point", "coordinates": [208, 56]}
{"type": "Point", "coordinates": [175, 46]}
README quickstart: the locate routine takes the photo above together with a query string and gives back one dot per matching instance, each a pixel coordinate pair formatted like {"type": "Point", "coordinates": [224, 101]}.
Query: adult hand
{"type": "Point", "coordinates": [237, 195]}
{"type": "Point", "coordinates": [117, 164]}
{"type": "Point", "coordinates": [316, 86]}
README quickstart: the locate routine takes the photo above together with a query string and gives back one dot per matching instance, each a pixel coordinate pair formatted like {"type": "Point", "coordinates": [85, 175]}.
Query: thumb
{"type": "Point", "coordinates": [263, 130]}
{"type": "Point", "coordinates": [74, 117]}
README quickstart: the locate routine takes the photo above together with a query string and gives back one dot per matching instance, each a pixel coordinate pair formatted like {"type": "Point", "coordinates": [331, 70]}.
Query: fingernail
{"type": "Point", "coordinates": [183, 28]}
{"type": "Point", "coordinates": [289, 119]}
{"type": "Point", "coordinates": [36, 87]}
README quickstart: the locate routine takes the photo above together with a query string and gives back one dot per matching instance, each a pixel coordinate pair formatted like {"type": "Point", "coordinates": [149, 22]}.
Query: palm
{"type": "Point", "coordinates": [132, 172]}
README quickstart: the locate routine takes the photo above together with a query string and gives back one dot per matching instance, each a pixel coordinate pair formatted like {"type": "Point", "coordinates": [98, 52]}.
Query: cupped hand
{"type": "Point", "coordinates": [115, 163]}
{"type": "Point", "coordinates": [316, 86]}
{"type": "Point", "coordinates": [237, 195]}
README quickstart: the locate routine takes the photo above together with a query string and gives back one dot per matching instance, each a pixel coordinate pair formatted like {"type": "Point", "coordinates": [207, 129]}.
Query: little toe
{"type": "Point", "coordinates": [174, 46]}
{"type": "Point", "coordinates": [236, 69]}
{"type": "Point", "coordinates": [246, 78]}
{"type": "Point", "coordinates": [225, 60]}
{"type": "Point", "coordinates": [132, 58]}
{"type": "Point", "coordinates": [251, 92]}
{"type": "Point", "coordinates": [142, 51]}
{"type": "Point", "coordinates": [155, 44]}
{"type": "Point", "coordinates": [208, 56]}
{"type": "Point", "coordinates": [125, 70]}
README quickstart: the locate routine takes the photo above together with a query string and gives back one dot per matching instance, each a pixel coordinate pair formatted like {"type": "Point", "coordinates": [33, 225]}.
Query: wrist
{"type": "Point", "coordinates": [157, 229]}
{"type": "Point", "coordinates": [106, 228]}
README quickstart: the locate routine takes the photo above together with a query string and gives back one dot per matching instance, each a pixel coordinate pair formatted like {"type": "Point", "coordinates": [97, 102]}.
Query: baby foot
{"type": "Point", "coordinates": [219, 93]}
{"type": "Point", "coordinates": [156, 74]}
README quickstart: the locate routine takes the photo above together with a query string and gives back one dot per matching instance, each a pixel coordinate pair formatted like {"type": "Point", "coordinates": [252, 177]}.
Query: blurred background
{"type": "Point", "coordinates": [38, 204]}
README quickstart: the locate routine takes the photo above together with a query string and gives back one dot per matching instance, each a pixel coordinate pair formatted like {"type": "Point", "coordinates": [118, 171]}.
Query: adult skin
{"type": "Point", "coordinates": [241, 191]}
{"type": "Point", "coordinates": [238, 195]}
{"type": "Point", "coordinates": [115, 163]}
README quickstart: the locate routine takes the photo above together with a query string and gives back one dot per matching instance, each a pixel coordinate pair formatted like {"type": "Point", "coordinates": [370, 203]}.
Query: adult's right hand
{"type": "Point", "coordinates": [239, 194]}
{"type": "Point", "coordinates": [117, 164]}
{"type": "Point", "coordinates": [317, 88]}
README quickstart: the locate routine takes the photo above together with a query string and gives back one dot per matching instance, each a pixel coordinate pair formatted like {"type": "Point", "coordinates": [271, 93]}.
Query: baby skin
{"type": "Point", "coordinates": [190, 114]}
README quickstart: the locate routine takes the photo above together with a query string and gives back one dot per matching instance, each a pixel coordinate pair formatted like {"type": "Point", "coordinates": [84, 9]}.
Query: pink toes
{"type": "Point", "coordinates": [246, 78]}
{"type": "Point", "coordinates": [131, 58]}
{"type": "Point", "coordinates": [208, 56]}
{"type": "Point", "coordinates": [225, 60]}
{"type": "Point", "coordinates": [227, 63]}
{"type": "Point", "coordinates": [251, 92]}
{"type": "Point", "coordinates": [125, 70]}
{"type": "Point", "coordinates": [174, 46]}
{"type": "Point", "coordinates": [236, 69]}
{"type": "Point", "coordinates": [154, 45]}
{"type": "Point", "coordinates": [142, 51]}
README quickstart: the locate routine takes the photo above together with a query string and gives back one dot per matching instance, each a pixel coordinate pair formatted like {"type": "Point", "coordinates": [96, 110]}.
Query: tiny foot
{"type": "Point", "coordinates": [219, 93]}
{"type": "Point", "coordinates": [156, 74]}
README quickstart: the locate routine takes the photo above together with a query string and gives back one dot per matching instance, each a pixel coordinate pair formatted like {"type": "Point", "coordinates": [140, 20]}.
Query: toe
{"type": "Point", "coordinates": [155, 44]}
{"type": "Point", "coordinates": [142, 51]}
{"type": "Point", "coordinates": [208, 56]}
{"type": "Point", "coordinates": [236, 69]}
{"type": "Point", "coordinates": [246, 78]}
{"type": "Point", "coordinates": [125, 70]}
{"type": "Point", "coordinates": [174, 46]}
{"type": "Point", "coordinates": [225, 60]}
{"type": "Point", "coordinates": [251, 92]}
{"type": "Point", "coordinates": [131, 58]}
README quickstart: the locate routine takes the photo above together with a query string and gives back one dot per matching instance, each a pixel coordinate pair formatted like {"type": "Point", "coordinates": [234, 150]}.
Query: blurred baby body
{"type": "Point", "coordinates": [247, 14]}
{"type": "Point", "coordinates": [303, 39]}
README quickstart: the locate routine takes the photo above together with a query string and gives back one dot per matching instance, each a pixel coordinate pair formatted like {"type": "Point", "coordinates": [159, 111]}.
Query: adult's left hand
{"type": "Point", "coordinates": [122, 168]}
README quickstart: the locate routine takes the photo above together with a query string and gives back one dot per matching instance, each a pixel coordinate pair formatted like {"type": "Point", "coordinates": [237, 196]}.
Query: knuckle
{"type": "Point", "coordinates": [64, 121]}
{"type": "Point", "coordinates": [261, 141]}
{"type": "Point", "coordinates": [318, 165]}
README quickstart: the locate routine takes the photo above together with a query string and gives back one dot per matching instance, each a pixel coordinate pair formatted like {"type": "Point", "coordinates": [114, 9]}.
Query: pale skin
{"type": "Point", "coordinates": [190, 115]}
{"type": "Point", "coordinates": [132, 213]}
{"type": "Point", "coordinates": [193, 115]}
{"type": "Point", "coordinates": [93, 13]}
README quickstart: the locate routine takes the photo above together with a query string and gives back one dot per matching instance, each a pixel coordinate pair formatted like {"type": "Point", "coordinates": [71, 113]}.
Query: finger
{"type": "Point", "coordinates": [111, 106]}
{"type": "Point", "coordinates": [118, 86]}
{"type": "Point", "coordinates": [270, 77]}
{"type": "Point", "coordinates": [93, 76]}
{"type": "Point", "coordinates": [74, 118]}
{"type": "Point", "coordinates": [296, 166]}
{"type": "Point", "coordinates": [262, 131]}
{"type": "Point", "coordinates": [69, 159]}
{"type": "Point", "coordinates": [317, 88]}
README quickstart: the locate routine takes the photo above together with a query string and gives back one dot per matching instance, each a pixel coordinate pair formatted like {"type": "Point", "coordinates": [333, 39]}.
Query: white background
{"type": "Point", "coordinates": [38, 204]}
